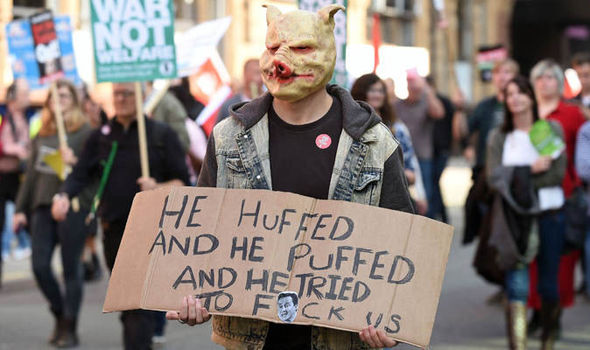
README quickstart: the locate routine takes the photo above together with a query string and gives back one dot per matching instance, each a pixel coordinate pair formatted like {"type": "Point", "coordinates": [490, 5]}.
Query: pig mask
{"type": "Point", "coordinates": [300, 52]}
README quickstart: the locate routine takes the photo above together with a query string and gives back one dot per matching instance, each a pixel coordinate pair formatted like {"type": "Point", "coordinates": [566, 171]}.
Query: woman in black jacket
{"type": "Point", "coordinates": [521, 177]}
{"type": "Point", "coordinates": [43, 177]}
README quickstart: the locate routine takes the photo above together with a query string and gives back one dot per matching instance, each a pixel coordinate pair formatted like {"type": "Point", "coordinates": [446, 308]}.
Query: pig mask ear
{"type": "Point", "coordinates": [272, 13]}
{"type": "Point", "coordinates": [327, 13]}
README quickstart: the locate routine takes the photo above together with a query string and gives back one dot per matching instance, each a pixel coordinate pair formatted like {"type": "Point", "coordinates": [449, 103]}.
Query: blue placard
{"type": "Point", "coordinates": [63, 28]}
{"type": "Point", "coordinates": [22, 55]}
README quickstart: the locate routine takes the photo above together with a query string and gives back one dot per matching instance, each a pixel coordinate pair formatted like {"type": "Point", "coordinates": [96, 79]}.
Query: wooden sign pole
{"type": "Point", "coordinates": [60, 123]}
{"type": "Point", "coordinates": [156, 97]}
{"type": "Point", "coordinates": [143, 153]}
{"type": "Point", "coordinates": [62, 136]}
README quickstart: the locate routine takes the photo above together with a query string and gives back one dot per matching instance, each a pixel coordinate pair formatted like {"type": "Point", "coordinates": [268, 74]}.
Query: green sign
{"type": "Point", "coordinates": [545, 140]}
{"type": "Point", "coordinates": [340, 76]}
{"type": "Point", "coordinates": [133, 40]}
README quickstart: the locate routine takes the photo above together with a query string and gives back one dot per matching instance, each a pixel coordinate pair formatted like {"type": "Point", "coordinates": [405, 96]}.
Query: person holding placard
{"type": "Point", "coordinates": [43, 178]}
{"type": "Point", "coordinates": [305, 137]}
{"type": "Point", "coordinates": [167, 168]}
{"type": "Point", "coordinates": [522, 178]}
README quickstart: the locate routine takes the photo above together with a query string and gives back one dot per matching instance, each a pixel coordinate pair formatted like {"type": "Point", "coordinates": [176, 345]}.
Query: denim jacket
{"type": "Point", "coordinates": [368, 169]}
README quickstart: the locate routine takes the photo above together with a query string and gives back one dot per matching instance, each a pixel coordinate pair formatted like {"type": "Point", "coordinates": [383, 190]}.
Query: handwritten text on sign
{"type": "Point", "coordinates": [341, 265]}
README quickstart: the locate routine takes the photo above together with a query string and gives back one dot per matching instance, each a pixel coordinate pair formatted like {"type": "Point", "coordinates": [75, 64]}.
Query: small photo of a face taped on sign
{"type": "Point", "coordinates": [287, 306]}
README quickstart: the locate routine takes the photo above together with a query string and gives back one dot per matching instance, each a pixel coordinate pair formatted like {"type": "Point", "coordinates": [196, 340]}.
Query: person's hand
{"type": "Point", "coordinates": [191, 312]}
{"type": "Point", "coordinates": [147, 183]}
{"type": "Point", "coordinates": [376, 338]}
{"type": "Point", "coordinates": [60, 207]}
{"type": "Point", "coordinates": [19, 220]}
{"type": "Point", "coordinates": [67, 155]}
{"type": "Point", "coordinates": [21, 152]}
{"type": "Point", "coordinates": [410, 176]}
{"type": "Point", "coordinates": [469, 154]}
{"type": "Point", "coordinates": [421, 206]}
{"type": "Point", "coordinates": [542, 164]}
{"type": "Point", "coordinates": [458, 99]}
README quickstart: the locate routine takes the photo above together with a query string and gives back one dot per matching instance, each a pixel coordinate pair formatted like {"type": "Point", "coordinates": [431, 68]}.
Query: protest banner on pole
{"type": "Point", "coordinates": [196, 45]}
{"type": "Point", "coordinates": [21, 49]}
{"type": "Point", "coordinates": [210, 86]}
{"type": "Point", "coordinates": [48, 57]}
{"type": "Point", "coordinates": [133, 42]}
{"type": "Point", "coordinates": [47, 51]}
{"type": "Point", "coordinates": [197, 58]}
{"type": "Point", "coordinates": [345, 265]}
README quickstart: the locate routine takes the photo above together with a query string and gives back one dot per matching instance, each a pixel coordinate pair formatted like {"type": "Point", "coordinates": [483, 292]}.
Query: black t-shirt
{"type": "Point", "coordinates": [302, 156]}
{"type": "Point", "coordinates": [301, 161]}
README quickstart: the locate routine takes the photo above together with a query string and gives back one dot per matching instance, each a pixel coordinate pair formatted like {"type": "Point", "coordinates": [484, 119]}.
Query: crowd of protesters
{"type": "Point", "coordinates": [522, 206]}
{"type": "Point", "coordinates": [529, 209]}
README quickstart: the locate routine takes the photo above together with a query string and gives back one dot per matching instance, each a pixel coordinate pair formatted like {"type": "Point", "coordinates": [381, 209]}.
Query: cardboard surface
{"type": "Point", "coordinates": [349, 264]}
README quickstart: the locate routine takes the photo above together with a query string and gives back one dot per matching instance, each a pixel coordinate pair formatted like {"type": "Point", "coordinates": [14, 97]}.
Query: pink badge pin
{"type": "Point", "coordinates": [323, 141]}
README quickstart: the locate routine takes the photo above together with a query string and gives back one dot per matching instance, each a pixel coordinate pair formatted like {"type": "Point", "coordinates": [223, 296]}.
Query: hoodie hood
{"type": "Point", "coordinates": [358, 116]}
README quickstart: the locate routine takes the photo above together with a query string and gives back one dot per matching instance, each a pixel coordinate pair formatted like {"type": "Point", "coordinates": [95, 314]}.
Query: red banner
{"type": "Point", "coordinates": [47, 51]}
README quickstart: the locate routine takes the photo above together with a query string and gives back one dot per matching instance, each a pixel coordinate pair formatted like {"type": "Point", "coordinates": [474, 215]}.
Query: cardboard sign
{"type": "Point", "coordinates": [282, 257]}
{"type": "Point", "coordinates": [21, 48]}
{"type": "Point", "coordinates": [47, 51]}
{"type": "Point", "coordinates": [133, 40]}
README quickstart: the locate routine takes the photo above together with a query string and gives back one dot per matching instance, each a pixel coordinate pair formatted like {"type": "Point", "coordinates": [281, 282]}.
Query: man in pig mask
{"type": "Point", "coordinates": [307, 137]}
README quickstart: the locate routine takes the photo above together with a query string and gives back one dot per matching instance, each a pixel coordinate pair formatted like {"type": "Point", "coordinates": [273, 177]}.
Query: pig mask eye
{"type": "Point", "coordinates": [272, 49]}
{"type": "Point", "coordinates": [302, 49]}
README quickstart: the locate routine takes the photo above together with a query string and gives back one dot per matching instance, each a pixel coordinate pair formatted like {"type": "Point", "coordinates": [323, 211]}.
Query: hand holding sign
{"type": "Point", "coordinates": [147, 183]}
{"type": "Point", "coordinates": [68, 156]}
{"type": "Point", "coordinates": [376, 338]}
{"type": "Point", "coordinates": [190, 312]}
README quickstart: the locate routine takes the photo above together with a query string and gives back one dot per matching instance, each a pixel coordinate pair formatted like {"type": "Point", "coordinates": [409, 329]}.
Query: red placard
{"type": "Point", "coordinates": [47, 51]}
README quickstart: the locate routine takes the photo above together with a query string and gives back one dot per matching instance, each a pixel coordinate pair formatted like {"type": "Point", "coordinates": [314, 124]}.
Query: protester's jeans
{"type": "Point", "coordinates": [8, 235]}
{"type": "Point", "coordinates": [70, 235]}
{"type": "Point", "coordinates": [437, 208]}
{"type": "Point", "coordinates": [426, 169]}
{"type": "Point", "coordinates": [587, 257]}
{"type": "Point", "coordinates": [517, 284]}
{"type": "Point", "coordinates": [552, 240]}
{"type": "Point", "coordinates": [138, 325]}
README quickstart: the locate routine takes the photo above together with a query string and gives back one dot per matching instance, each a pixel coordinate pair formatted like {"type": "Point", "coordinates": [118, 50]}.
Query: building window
{"type": "Point", "coordinates": [29, 3]}
{"type": "Point", "coordinates": [395, 8]}
{"type": "Point", "coordinates": [465, 32]}
{"type": "Point", "coordinates": [397, 19]}
{"type": "Point", "coordinates": [185, 10]}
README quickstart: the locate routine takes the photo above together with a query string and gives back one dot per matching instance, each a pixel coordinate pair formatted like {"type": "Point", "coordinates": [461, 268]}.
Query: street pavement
{"type": "Point", "coordinates": [464, 320]}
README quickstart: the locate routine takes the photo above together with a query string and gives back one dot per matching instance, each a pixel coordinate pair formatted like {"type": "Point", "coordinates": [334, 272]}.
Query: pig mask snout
{"type": "Point", "coordinates": [281, 69]}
